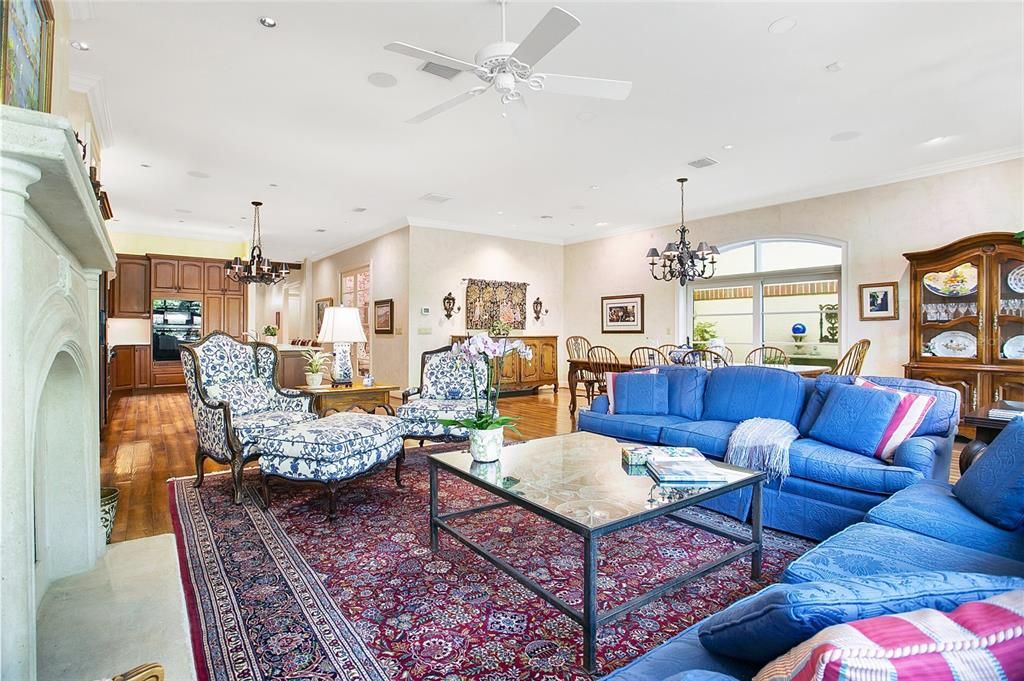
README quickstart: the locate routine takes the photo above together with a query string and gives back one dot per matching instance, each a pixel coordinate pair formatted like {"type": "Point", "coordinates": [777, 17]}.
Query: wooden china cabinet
{"type": "Point", "coordinates": [967, 318]}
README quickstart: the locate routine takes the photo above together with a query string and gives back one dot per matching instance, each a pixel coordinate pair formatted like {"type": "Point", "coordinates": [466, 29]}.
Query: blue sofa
{"type": "Point", "coordinates": [922, 527]}
{"type": "Point", "coordinates": [828, 488]}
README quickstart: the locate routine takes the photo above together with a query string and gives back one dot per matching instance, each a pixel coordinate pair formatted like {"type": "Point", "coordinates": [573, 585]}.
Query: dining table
{"type": "Point", "coordinates": [579, 365]}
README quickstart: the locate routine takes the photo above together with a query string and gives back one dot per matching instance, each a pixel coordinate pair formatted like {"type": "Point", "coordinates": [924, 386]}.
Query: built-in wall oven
{"type": "Point", "coordinates": [175, 321]}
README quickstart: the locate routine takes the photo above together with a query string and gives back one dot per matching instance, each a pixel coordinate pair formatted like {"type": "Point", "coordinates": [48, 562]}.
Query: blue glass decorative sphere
{"type": "Point", "coordinates": [799, 328]}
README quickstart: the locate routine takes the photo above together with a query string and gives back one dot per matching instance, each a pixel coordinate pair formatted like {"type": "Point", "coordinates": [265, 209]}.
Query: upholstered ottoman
{"type": "Point", "coordinates": [331, 450]}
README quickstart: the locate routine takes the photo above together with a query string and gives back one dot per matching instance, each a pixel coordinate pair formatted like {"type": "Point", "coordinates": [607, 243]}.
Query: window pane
{"type": "Point", "coordinates": [735, 260]}
{"type": "Point", "coordinates": [723, 300]}
{"type": "Point", "coordinates": [791, 255]}
{"type": "Point", "coordinates": [810, 304]}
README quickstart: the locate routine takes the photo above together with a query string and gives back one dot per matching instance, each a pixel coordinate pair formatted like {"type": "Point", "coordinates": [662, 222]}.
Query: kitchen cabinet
{"type": "Point", "coordinates": [164, 275]}
{"type": "Point", "coordinates": [177, 275]}
{"type": "Point", "coordinates": [234, 315]}
{"type": "Point", "coordinates": [130, 289]}
{"type": "Point", "coordinates": [130, 367]}
{"type": "Point", "coordinates": [214, 277]}
{"type": "Point", "coordinates": [520, 374]}
{"type": "Point", "coordinates": [142, 365]}
{"type": "Point", "coordinates": [213, 313]}
{"type": "Point", "coordinates": [191, 275]}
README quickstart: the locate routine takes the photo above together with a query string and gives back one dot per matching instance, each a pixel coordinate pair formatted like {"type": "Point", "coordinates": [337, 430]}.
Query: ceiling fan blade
{"type": "Point", "coordinates": [581, 86]}
{"type": "Point", "coordinates": [556, 25]}
{"type": "Point", "coordinates": [427, 55]}
{"type": "Point", "coordinates": [450, 104]}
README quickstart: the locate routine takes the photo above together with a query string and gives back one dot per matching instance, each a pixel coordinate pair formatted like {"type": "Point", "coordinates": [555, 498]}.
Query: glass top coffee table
{"type": "Point", "coordinates": [578, 481]}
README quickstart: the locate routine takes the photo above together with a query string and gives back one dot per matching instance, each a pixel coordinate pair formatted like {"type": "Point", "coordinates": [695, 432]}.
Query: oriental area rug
{"type": "Point", "coordinates": [287, 593]}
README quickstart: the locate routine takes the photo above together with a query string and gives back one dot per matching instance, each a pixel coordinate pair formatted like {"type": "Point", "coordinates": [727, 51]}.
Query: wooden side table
{"type": "Point", "coordinates": [327, 399]}
{"type": "Point", "coordinates": [986, 429]}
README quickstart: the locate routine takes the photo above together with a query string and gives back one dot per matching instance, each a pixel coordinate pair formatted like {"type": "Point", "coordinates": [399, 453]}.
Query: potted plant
{"type": "Point", "coordinates": [316, 360]}
{"type": "Point", "coordinates": [702, 333]}
{"type": "Point", "coordinates": [270, 334]}
{"type": "Point", "coordinates": [486, 428]}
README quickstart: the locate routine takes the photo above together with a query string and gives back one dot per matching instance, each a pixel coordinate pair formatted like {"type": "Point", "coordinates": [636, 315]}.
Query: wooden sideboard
{"type": "Point", "coordinates": [519, 374]}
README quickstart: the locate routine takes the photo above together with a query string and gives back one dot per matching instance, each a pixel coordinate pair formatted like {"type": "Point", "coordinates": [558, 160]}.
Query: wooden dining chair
{"type": "Point", "coordinates": [726, 352]}
{"type": "Point", "coordinates": [709, 359]}
{"type": "Point", "coordinates": [577, 347]}
{"type": "Point", "coordinates": [602, 360]}
{"type": "Point", "coordinates": [768, 354]}
{"type": "Point", "coordinates": [667, 349]}
{"type": "Point", "coordinates": [853, 360]}
{"type": "Point", "coordinates": [647, 356]}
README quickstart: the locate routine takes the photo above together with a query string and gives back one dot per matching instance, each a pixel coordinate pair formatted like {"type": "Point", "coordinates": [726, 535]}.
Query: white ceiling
{"type": "Point", "coordinates": [203, 87]}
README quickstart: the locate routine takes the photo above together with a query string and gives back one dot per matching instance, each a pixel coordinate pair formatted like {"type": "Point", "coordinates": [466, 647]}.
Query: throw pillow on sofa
{"type": "Point", "coordinates": [637, 392]}
{"type": "Point", "coordinates": [909, 415]}
{"type": "Point", "coordinates": [979, 640]}
{"type": "Point", "coordinates": [765, 625]}
{"type": "Point", "coordinates": [855, 418]}
{"type": "Point", "coordinates": [993, 487]}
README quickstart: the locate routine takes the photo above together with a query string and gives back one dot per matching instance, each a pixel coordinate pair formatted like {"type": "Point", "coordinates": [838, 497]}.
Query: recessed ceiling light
{"type": "Point", "coordinates": [835, 67]}
{"type": "Point", "coordinates": [937, 140]}
{"type": "Point", "coordinates": [198, 174]}
{"type": "Point", "coordinates": [585, 116]}
{"type": "Point", "coordinates": [501, 212]}
{"type": "Point", "coordinates": [272, 185]}
{"type": "Point", "coordinates": [547, 217]}
{"type": "Point", "coordinates": [845, 136]}
{"type": "Point", "coordinates": [231, 226]}
{"type": "Point", "coordinates": [359, 209]}
{"type": "Point", "coordinates": [181, 221]}
{"type": "Point", "coordinates": [80, 46]}
{"type": "Point", "coordinates": [145, 165]}
{"type": "Point", "coordinates": [594, 187]}
{"type": "Point", "coordinates": [728, 147]}
{"type": "Point", "coordinates": [783, 25]}
{"type": "Point", "coordinates": [381, 79]}
{"type": "Point", "coordinates": [268, 22]}
{"type": "Point", "coordinates": [600, 224]}
{"type": "Point", "coordinates": [320, 229]}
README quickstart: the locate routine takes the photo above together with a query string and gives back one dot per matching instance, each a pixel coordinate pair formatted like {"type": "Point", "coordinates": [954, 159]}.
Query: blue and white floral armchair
{"type": "Point", "coordinates": [234, 393]}
{"type": "Point", "coordinates": [445, 392]}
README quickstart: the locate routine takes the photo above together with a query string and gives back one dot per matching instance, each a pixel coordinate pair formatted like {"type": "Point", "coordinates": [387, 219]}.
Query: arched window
{"type": "Point", "coordinates": [779, 292]}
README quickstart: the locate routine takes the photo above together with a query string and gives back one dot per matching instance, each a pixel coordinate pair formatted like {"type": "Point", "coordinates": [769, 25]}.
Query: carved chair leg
{"type": "Point", "coordinates": [332, 488]}
{"type": "Point", "coordinates": [421, 443]}
{"type": "Point", "coordinates": [265, 486]}
{"type": "Point", "coordinates": [398, 466]}
{"type": "Point", "coordinates": [236, 478]}
{"type": "Point", "coordinates": [199, 468]}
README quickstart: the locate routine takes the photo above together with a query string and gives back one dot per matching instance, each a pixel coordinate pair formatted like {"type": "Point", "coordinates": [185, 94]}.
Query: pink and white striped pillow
{"type": "Point", "coordinates": [980, 641]}
{"type": "Point", "coordinates": [908, 417]}
{"type": "Point", "coordinates": [609, 382]}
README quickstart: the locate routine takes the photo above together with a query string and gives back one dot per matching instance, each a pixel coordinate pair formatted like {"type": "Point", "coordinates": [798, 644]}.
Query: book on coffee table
{"type": "Point", "coordinates": [638, 455]}
{"type": "Point", "coordinates": [685, 472]}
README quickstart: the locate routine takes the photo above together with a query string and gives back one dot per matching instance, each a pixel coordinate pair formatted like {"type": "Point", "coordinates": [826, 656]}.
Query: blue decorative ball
{"type": "Point", "coordinates": [799, 328]}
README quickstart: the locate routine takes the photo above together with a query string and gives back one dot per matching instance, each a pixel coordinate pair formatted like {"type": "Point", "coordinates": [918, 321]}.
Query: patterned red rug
{"type": "Point", "coordinates": [290, 594]}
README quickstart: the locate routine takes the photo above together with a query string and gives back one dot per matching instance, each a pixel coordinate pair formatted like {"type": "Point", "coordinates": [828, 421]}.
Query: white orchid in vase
{"type": "Point", "coordinates": [494, 351]}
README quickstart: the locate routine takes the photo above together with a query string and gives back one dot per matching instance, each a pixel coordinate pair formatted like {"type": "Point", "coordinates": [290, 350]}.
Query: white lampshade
{"type": "Point", "coordinates": [341, 325]}
{"type": "Point", "coordinates": [124, 331]}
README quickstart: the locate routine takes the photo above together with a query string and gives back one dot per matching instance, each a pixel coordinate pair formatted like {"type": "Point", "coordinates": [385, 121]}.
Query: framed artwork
{"type": "Point", "coordinates": [384, 316]}
{"type": "Point", "coordinates": [493, 301]}
{"type": "Point", "coordinates": [26, 55]}
{"type": "Point", "coordinates": [622, 314]}
{"type": "Point", "coordinates": [320, 305]}
{"type": "Point", "coordinates": [879, 301]}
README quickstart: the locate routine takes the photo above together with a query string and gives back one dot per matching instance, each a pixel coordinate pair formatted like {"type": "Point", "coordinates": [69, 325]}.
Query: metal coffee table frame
{"type": "Point", "coordinates": [590, 618]}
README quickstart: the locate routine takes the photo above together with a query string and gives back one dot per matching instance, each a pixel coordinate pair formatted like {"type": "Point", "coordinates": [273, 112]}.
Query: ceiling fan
{"type": "Point", "coordinates": [506, 66]}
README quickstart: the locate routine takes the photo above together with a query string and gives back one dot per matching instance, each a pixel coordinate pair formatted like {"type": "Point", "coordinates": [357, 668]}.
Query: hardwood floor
{"type": "Point", "coordinates": [150, 437]}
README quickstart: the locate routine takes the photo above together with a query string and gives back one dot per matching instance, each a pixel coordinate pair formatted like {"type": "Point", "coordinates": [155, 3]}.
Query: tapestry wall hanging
{"type": "Point", "coordinates": [491, 301]}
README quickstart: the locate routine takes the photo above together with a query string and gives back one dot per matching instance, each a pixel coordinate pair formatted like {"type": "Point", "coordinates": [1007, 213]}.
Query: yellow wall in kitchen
{"type": "Point", "coordinates": [140, 244]}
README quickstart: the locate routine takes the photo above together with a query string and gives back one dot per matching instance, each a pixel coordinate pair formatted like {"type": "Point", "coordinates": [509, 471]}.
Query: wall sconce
{"type": "Point", "coordinates": [538, 309]}
{"type": "Point", "coordinates": [449, 306]}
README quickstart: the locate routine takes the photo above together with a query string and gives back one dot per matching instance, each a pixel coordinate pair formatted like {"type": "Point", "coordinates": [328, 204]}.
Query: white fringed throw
{"type": "Point", "coordinates": [762, 445]}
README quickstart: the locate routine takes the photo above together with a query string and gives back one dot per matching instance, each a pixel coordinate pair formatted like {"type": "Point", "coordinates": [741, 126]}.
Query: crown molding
{"type": "Point", "coordinates": [92, 87]}
{"type": "Point", "coordinates": [819, 191]}
{"type": "Point", "coordinates": [359, 241]}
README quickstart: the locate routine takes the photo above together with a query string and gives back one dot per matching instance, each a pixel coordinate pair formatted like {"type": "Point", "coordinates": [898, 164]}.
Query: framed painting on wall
{"type": "Point", "coordinates": [321, 305]}
{"type": "Point", "coordinates": [384, 316]}
{"type": "Point", "coordinates": [26, 54]}
{"type": "Point", "coordinates": [879, 301]}
{"type": "Point", "coordinates": [622, 314]}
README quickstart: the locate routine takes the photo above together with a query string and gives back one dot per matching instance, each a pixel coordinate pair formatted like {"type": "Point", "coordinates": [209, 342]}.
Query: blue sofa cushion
{"type": "Point", "coordinates": [700, 675]}
{"type": "Point", "coordinates": [855, 418]}
{"type": "Point", "coordinates": [739, 393]}
{"type": "Point", "coordinates": [685, 390]}
{"type": "Point", "coordinates": [763, 626]}
{"type": "Point", "coordinates": [867, 549]}
{"type": "Point", "coordinates": [929, 508]}
{"type": "Point", "coordinates": [682, 652]}
{"type": "Point", "coordinates": [993, 487]}
{"type": "Point", "coordinates": [635, 427]}
{"type": "Point", "coordinates": [645, 394]}
{"type": "Point", "coordinates": [813, 460]}
{"type": "Point", "coordinates": [710, 437]}
{"type": "Point", "coordinates": [941, 419]}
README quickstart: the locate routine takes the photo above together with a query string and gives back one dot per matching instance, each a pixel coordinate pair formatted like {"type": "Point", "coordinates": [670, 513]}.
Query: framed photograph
{"type": "Point", "coordinates": [26, 54]}
{"type": "Point", "coordinates": [879, 301]}
{"type": "Point", "coordinates": [320, 305]}
{"type": "Point", "coordinates": [622, 314]}
{"type": "Point", "coordinates": [384, 316]}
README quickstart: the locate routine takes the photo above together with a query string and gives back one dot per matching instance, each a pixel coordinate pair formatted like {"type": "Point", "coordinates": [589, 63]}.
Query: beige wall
{"type": "Point", "coordinates": [141, 244]}
{"type": "Point", "coordinates": [877, 224]}
{"type": "Point", "coordinates": [388, 258]}
{"type": "Point", "coordinates": [442, 258]}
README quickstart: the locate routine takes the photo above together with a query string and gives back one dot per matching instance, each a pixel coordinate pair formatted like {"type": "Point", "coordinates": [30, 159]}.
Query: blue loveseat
{"type": "Point", "coordinates": [828, 488]}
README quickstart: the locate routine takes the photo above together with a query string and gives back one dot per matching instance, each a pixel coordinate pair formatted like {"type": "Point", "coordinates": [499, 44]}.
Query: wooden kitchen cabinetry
{"type": "Point", "coordinates": [130, 289]}
{"type": "Point", "coordinates": [172, 276]}
{"type": "Point", "coordinates": [967, 318]}
{"type": "Point", "coordinates": [520, 374]}
{"type": "Point", "coordinates": [130, 367]}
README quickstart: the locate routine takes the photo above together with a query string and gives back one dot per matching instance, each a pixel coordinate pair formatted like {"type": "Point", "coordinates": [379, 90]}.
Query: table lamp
{"type": "Point", "coordinates": [342, 327]}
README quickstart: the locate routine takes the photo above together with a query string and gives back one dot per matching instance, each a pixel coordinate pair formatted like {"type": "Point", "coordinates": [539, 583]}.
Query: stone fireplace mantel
{"type": "Point", "coordinates": [53, 248]}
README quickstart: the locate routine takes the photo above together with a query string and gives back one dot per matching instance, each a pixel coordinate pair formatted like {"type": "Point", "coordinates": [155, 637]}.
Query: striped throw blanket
{"type": "Point", "coordinates": [762, 445]}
